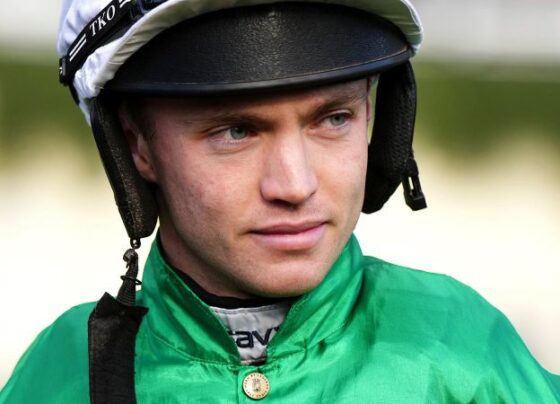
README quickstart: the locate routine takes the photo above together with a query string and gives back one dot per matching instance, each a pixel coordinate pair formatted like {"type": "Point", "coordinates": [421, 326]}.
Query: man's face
{"type": "Point", "coordinates": [258, 194]}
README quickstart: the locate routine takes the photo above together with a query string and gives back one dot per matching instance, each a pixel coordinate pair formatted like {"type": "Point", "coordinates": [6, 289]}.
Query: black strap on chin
{"type": "Point", "coordinates": [390, 156]}
{"type": "Point", "coordinates": [112, 329]}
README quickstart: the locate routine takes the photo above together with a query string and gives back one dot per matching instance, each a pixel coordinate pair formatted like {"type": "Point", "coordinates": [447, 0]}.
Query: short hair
{"type": "Point", "coordinates": [134, 108]}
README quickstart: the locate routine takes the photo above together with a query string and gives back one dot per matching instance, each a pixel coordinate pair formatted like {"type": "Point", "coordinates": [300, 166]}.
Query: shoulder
{"type": "Point", "coordinates": [430, 304]}
{"type": "Point", "coordinates": [56, 363]}
{"type": "Point", "coordinates": [457, 332]}
{"type": "Point", "coordinates": [71, 325]}
{"type": "Point", "coordinates": [434, 308]}
{"type": "Point", "coordinates": [422, 289]}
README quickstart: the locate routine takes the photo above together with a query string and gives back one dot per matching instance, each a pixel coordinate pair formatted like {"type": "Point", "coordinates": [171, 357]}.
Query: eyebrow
{"type": "Point", "coordinates": [224, 117]}
{"type": "Point", "coordinates": [341, 100]}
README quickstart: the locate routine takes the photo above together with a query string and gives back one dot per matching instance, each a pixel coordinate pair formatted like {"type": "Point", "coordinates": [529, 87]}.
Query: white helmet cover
{"type": "Point", "coordinates": [101, 65]}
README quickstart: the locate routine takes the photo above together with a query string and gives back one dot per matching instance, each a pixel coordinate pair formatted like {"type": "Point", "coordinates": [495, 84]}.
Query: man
{"type": "Point", "coordinates": [243, 127]}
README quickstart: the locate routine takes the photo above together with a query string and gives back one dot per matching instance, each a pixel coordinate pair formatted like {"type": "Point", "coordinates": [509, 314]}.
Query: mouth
{"type": "Point", "coordinates": [290, 236]}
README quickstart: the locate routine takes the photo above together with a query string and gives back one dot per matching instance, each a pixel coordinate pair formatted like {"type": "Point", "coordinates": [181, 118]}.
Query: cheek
{"type": "Point", "coordinates": [201, 190]}
{"type": "Point", "coordinates": [193, 193]}
{"type": "Point", "coordinates": [344, 170]}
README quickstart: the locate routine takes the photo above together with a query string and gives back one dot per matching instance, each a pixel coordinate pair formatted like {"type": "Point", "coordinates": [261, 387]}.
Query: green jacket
{"type": "Point", "coordinates": [371, 332]}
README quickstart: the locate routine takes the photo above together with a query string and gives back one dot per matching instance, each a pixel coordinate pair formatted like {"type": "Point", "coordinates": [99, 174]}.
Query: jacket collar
{"type": "Point", "coordinates": [179, 318]}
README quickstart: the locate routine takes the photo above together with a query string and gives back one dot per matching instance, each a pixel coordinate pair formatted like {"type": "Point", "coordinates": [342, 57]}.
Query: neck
{"type": "Point", "coordinates": [227, 302]}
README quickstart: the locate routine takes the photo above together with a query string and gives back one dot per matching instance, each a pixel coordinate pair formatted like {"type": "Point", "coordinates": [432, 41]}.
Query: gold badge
{"type": "Point", "coordinates": [256, 386]}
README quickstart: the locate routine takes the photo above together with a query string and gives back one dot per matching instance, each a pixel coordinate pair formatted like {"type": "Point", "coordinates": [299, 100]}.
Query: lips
{"type": "Point", "coordinates": [290, 236]}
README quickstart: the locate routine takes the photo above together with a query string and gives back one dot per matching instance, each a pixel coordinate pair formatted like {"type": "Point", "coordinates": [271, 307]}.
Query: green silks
{"type": "Point", "coordinates": [371, 332]}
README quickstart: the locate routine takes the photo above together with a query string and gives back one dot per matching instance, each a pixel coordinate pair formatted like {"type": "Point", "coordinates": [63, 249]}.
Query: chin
{"type": "Point", "coordinates": [288, 281]}
{"type": "Point", "coordinates": [294, 274]}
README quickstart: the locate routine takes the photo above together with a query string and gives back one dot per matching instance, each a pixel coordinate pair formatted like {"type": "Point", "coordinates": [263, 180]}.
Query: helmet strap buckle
{"type": "Point", "coordinates": [413, 194]}
{"type": "Point", "coordinates": [127, 292]}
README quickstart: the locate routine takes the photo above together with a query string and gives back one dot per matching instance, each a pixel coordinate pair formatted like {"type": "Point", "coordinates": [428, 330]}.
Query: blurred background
{"type": "Point", "coordinates": [487, 142]}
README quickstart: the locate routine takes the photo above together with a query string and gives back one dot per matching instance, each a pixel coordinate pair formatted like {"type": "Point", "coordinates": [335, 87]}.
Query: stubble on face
{"type": "Point", "coordinates": [259, 194]}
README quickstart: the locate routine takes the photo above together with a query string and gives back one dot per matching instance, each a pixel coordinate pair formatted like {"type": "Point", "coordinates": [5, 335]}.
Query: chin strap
{"type": "Point", "coordinates": [112, 329]}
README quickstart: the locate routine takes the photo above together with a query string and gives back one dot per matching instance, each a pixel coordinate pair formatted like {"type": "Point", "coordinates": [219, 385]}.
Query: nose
{"type": "Point", "coordinates": [288, 176]}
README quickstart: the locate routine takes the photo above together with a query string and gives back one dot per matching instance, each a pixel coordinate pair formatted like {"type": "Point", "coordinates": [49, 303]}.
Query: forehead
{"type": "Point", "coordinates": [342, 92]}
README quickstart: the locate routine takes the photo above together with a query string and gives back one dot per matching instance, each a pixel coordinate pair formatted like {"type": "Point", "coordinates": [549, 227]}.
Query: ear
{"type": "Point", "coordinates": [371, 82]}
{"type": "Point", "coordinates": [138, 145]}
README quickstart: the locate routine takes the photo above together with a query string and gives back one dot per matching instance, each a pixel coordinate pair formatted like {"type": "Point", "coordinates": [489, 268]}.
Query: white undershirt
{"type": "Point", "coordinates": [252, 328]}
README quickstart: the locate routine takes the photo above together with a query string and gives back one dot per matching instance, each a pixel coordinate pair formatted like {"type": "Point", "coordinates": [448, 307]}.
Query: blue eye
{"type": "Point", "coordinates": [237, 132]}
{"type": "Point", "coordinates": [337, 119]}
